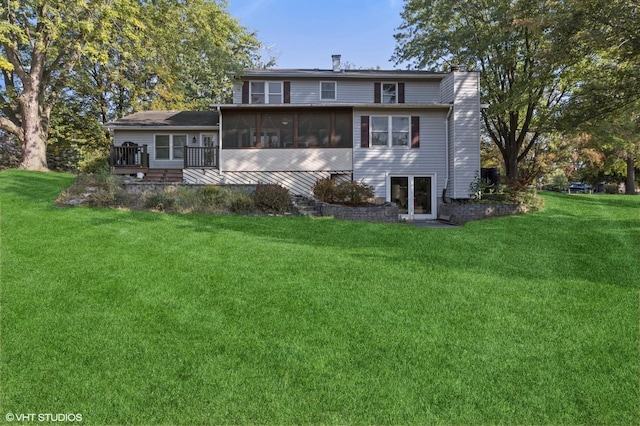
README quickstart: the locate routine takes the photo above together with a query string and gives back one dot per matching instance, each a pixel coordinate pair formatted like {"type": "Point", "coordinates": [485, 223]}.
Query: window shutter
{"type": "Point", "coordinates": [364, 131]}
{"type": "Point", "coordinates": [400, 93]}
{"type": "Point", "coordinates": [415, 132]}
{"type": "Point", "coordinates": [245, 92]}
{"type": "Point", "coordinates": [287, 92]}
{"type": "Point", "coordinates": [377, 97]}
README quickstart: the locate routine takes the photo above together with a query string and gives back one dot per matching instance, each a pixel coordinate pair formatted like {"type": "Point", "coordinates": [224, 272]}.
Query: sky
{"type": "Point", "coordinates": [305, 33]}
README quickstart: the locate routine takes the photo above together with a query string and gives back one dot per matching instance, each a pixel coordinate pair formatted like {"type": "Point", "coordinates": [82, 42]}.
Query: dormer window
{"type": "Point", "coordinates": [266, 92]}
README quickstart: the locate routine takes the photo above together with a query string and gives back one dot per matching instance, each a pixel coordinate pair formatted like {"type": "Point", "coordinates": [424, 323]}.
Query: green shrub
{"type": "Point", "coordinates": [353, 193]}
{"type": "Point", "coordinates": [162, 201]}
{"type": "Point", "coordinates": [103, 197]}
{"type": "Point", "coordinates": [272, 198]}
{"type": "Point", "coordinates": [325, 190]}
{"type": "Point", "coordinates": [241, 202]}
{"type": "Point", "coordinates": [213, 195]}
{"type": "Point", "coordinates": [611, 188]}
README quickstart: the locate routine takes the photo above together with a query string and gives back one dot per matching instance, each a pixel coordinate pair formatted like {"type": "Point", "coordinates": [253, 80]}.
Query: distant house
{"type": "Point", "coordinates": [412, 135]}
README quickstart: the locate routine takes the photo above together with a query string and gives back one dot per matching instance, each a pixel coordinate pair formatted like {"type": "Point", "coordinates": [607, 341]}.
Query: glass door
{"type": "Point", "coordinates": [414, 196]}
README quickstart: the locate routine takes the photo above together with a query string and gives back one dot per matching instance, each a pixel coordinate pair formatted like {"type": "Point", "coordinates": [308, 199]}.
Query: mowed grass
{"type": "Point", "coordinates": [146, 318]}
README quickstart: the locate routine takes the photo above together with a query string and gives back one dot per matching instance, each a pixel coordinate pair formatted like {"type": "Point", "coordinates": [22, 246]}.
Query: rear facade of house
{"type": "Point", "coordinates": [413, 136]}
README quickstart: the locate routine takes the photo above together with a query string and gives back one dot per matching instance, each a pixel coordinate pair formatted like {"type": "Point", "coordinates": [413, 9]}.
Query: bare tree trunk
{"type": "Point", "coordinates": [35, 126]}
{"type": "Point", "coordinates": [630, 184]}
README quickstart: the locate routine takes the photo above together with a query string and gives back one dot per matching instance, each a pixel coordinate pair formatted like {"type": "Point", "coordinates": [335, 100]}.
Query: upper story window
{"type": "Point", "coordinates": [328, 91]}
{"type": "Point", "coordinates": [266, 92]}
{"type": "Point", "coordinates": [388, 93]}
{"type": "Point", "coordinates": [390, 131]}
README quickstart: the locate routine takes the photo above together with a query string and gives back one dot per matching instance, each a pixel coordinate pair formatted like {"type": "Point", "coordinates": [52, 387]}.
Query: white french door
{"type": "Point", "coordinates": [415, 196]}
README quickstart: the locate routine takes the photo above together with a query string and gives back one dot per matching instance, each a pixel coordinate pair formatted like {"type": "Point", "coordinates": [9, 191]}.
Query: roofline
{"type": "Point", "coordinates": [158, 127]}
{"type": "Point", "coordinates": [343, 74]}
{"type": "Point", "coordinates": [334, 105]}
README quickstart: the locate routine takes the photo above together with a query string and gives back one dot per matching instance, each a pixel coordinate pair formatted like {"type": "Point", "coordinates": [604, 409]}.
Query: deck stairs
{"type": "Point", "coordinates": [164, 176]}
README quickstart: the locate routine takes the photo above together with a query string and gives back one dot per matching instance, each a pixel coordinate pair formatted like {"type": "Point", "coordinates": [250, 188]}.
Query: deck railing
{"type": "Point", "coordinates": [128, 156]}
{"type": "Point", "coordinates": [201, 157]}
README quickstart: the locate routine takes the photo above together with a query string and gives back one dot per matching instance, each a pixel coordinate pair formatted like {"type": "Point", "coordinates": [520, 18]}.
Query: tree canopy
{"type": "Point", "coordinates": [122, 55]}
{"type": "Point", "coordinates": [545, 65]}
{"type": "Point", "coordinates": [522, 65]}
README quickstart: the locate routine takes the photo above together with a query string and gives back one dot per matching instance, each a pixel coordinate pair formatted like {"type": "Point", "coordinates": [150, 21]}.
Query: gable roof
{"type": "Point", "coordinates": [167, 119]}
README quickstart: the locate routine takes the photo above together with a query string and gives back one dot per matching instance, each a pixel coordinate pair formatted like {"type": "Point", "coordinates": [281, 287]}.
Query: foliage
{"type": "Point", "coordinates": [287, 320]}
{"type": "Point", "coordinates": [348, 193]}
{"type": "Point", "coordinates": [272, 198]}
{"type": "Point", "coordinates": [9, 151]}
{"type": "Point", "coordinates": [160, 201]}
{"type": "Point", "coordinates": [523, 64]}
{"type": "Point", "coordinates": [325, 190]}
{"type": "Point", "coordinates": [557, 179]}
{"type": "Point", "coordinates": [103, 59]}
{"type": "Point", "coordinates": [477, 187]}
{"type": "Point", "coordinates": [240, 202]}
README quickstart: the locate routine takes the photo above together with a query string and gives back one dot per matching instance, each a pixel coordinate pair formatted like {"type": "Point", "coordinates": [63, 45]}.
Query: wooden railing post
{"type": "Point", "coordinates": [144, 157]}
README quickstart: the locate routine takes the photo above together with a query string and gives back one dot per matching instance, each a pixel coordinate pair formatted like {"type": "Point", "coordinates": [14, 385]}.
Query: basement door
{"type": "Point", "coordinates": [414, 195]}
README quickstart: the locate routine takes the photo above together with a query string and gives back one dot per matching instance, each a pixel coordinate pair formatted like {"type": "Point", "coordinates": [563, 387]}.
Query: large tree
{"type": "Point", "coordinates": [116, 56]}
{"type": "Point", "coordinates": [41, 42]}
{"type": "Point", "coordinates": [604, 106]}
{"type": "Point", "coordinates": [524, 64]}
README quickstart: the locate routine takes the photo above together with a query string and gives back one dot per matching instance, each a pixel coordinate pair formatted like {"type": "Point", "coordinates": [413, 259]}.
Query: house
{"type": "Point", "coordinates": [414, 136]}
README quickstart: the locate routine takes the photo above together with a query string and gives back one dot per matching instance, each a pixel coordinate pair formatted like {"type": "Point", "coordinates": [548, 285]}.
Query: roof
{"type": "Point", "coordinates": [162, 119]}
{"type": "Point", "coordinates": [351, 74]}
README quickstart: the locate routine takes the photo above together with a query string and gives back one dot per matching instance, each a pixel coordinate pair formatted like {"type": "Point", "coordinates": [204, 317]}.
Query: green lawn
{"type": "Point", "coordinates": [146, 318]}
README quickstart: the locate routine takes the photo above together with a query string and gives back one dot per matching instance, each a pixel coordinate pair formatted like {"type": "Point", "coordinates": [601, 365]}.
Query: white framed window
{"type": "Point", "coordinates": [170, 147]}
{"type": "Point", "coordinates": [328, 91]}
{"type": "Point", "coordinates": [266, 92]}
{"type": "Point", "coordinates": [389, 93]}
{"type": "Point", "coordinates": [390, 131]}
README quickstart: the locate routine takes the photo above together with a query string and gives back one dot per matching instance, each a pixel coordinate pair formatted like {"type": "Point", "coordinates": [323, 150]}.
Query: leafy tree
{"type": "Point", "coordinates": [523, 63]}
{"type": "Point", "coordinates": [41, 42]}
{"type": "Point", "coordinates": [116, 56]}
{"type": "Point", "coordinates": [604, 105]}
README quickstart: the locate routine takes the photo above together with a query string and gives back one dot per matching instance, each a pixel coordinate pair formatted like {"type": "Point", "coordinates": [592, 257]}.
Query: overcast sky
{"type": "Point", "coordinates": [305, 33]}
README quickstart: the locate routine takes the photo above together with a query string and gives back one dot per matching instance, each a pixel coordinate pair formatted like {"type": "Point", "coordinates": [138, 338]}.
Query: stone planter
{"type": "Point", "coordinates": [460, 213]}
{"type": "Point", "coordinates": [387, 212]}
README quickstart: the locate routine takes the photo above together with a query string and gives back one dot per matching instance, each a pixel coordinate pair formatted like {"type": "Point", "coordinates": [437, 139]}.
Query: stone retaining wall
{"type": "Point", "coordinates": [460, 213]}
{"type": "Point", "coordinates": [387, 212]}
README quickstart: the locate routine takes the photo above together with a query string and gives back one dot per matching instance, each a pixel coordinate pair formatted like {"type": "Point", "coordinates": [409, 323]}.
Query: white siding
{"type": "Point", "coordinates": [423, 92]}
{"type": "Point", "coordinates": [268, 160]}
{"type": "Point", "coordinates": [147, 137]}
{"type": "Point", "coordinates": [298, 183]}
{"type": "Point", "coordinates": [307, 91]}
{"type": "Point", "coordinates": [465, 140]}
{"type": "Point", "coordinates": [372, 165]}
